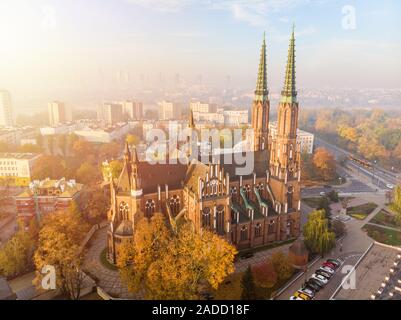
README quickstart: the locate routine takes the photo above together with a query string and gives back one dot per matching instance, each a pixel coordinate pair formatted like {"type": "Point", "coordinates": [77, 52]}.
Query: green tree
{"type": "Point", "coordinates": [132, 139]}
{"type": "Point", "coordinates": [87, 173]}
{"type": "Point", "coordinates": [248, 285]}
{"type": "Point", "coordinates": [318, 237]}
{"type": "Point", "coordinates": [282, 265]}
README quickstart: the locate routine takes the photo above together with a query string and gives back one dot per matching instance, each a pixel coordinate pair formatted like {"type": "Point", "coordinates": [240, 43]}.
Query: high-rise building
{"type": "Point", "coordinates": [110, 113]}
{"type": "Point", "coordinates": [57, 113]}
{"type": "Point", "coordinates": [132, 110]}
{"type": "Point", "coordinates": [6, 112]}
{"type": "Point", "coordinates": [168, 110]}
{"type": "Point", "coordinates": [203, 107]}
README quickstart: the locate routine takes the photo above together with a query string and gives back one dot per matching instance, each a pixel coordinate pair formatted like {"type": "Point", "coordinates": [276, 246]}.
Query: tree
{"type": "Point", "coordinates": [87, 173]}
{"type": "Point", "coordinates": [116, 166]}
{"type": "Point", "coordinates": [16, 254]}
{"type": "Point", "coordinates": [59, 243]}
{"type": "Point", "coordinates": [264, 274]}
{"type": "Point", "coordinates": [30, 148]}
{"type": "Point", "coordinates": [282, 265]}
{"type": "Point", "coordinates": [97, 205]}
{"type": "Point", "coordinates": [82, 149]}
{"type": "Point", "coordinates": [325, 164]}
{"type": "Point", "coordinates": [333, 196]}
{"type": "Point", "coordinates": [52, 167]}
{"type": "Point", "coordinates": [396, 205]}
{"type": "Point", "coordinates": [132, 139]}
{"type": "Point", "coordinates": [324, 204]}
{"type": "Point", "coordinates": [109, 150]}
{"type": "Point", "coordinates": [248, 285]}
{"type": "Point", "coordinates": [172, 265]}
{"type": "Point", "coordinates": [318, 237]}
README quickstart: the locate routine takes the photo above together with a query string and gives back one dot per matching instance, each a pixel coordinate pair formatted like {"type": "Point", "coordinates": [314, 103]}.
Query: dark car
{"type": "Point", "coordinates": [324, 274]}
{"type": "Point", "coordinates": [312, 285]}
{"type": "Point", "coordinates": [316, 282]}
{"type": "Point", "coordinates": [334, 262]}
{"type": "Point", "coordinates": [247, 255]}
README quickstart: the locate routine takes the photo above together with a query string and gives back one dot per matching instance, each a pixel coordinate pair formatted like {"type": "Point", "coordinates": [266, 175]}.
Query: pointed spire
{"type": "Point", "coordinates": [135, 158]}
{"type": "Point", "coordinates": [127, 152]}
{"type": "Point", "coordinates": [289, 93]}
{"type": "Point", "coordinates": [261, 92]}
{"type": "Point", "coordinates": [191, 122]}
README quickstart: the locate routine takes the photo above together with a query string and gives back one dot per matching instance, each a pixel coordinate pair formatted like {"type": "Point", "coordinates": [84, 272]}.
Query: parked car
{"type": "Point", "coordinates": [335, 261]}
{"type": "Point", "coordinates": [314, 285]}
{"type": "Point", "coordinates": [247, 255]}
{"type": "Point", "coordinates": [322, 193]}
{"type": "Point", "coordinates": [327, 269]}
{"type": "Point", "coordinates": [324, 274]}
{"type": "Point", "coordinates": [390, 186]}
{"type": "Point", "coordinates": [330, 265]}
{"type": "Point", "coordinates": [296, 298]}
{"type": "Point", "coordinates": [302, 295]}
{"type": "Point", "coordinates": [307, 291]}
{"type": "Point", "coordinates": [320, 278]}
{"type": "Point", "coordinates": [318, 282]}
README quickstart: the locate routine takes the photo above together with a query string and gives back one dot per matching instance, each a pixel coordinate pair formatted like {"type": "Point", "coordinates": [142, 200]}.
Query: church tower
{"type": "Point", "coordinates": [285, 151]}
{"type": "Point", "coordinates": [261, 105]}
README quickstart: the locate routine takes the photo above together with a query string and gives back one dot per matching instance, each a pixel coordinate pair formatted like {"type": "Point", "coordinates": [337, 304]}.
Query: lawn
{"type": "Point", "coordinates": [362, 211]}
{"type": "Point", "coordinates": [312, 202]}
{"type": "Point", "coordinates": [385, 218]}
{"type": "Point", "coordinates": [231, 289]}
{"type": "Point", "coordinates": [386, 236]}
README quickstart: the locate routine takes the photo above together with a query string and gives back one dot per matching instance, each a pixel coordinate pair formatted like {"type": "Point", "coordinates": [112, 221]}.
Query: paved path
{"type": "Point", "coordinates": [384, 227]}
{"type": "Point", "coordinates": [108, 280]}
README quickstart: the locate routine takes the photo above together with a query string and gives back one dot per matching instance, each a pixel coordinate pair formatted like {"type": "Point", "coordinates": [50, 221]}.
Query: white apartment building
{"type": "Point", "coordinates": [110, 113]}
{"type": "Point", "coordinates": [306, 139]}
{"type": "Point", "coordinates": [235, 117]}
{"type": "Point", "coordinates": [168, 110]}
{"type": "Point", "coordinates": [211, 117]}
{"type": "Point", "coordinates": [133, 110]}
{"type": "Point", "coordinates": [59, 129]}
{"type": "Point", "coordinates": [202, 107]}
{"type": "Point", "coordinates": [6, 114]}
{"type": "Point", "coordinates": [17, 167]}
{"type": "Point", "coordinates": [58, 113]}
{"type": "Point", "coordinates": [100, 135]}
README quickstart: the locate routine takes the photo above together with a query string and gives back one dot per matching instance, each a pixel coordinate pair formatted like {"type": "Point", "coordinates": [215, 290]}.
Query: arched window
{"type": "Point", "coordinates": [220, 219]}
{"type": "Point", "coordinates": [124, 210]}
{"type": "Point", "coordinates": [150, 207]}
{"type": "Point", "coordinates": [234, 193]}
{"type": "Point", "coordinates": [290, 192]}
{"type": "Point", "coordinates": [260, 188]}
{"type": "Point", "coordinates": [248, 191]}
{"type": "Point", "coordinates": [244, 233]}
{"type": "Point", "coordinates": [175, 204]}
{"type": "Point", "coordinates": [258, 230]}
{"type": "Point", "coordinates": [271, 227]}
{"type": "Point", "coordinates": [206, 217]}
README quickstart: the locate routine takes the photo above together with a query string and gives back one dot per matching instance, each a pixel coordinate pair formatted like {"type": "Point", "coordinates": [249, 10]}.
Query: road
{"type": "Point", "coordinates": [379, 176]}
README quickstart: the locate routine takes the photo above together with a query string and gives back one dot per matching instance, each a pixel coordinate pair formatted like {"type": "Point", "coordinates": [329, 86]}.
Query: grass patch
{"type": "Point", "coordinates": [385, 218]}
{"type": "Point", "coordinates": [312, 202]}
{"type": "Point", "coordinates": [105, 262]}
{"type": "Point", "coordinates": [362, 211]}
{"type": "Point", "coordinates": [386, 236]}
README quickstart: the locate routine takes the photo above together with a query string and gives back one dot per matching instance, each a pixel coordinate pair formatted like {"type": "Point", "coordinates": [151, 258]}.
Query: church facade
{"type": "Point", "coordinates": [247, 210]}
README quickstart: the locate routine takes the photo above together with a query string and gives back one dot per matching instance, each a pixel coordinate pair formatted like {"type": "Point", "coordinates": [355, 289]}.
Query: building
{"type": "Point", "coordinates": [203, 107]}
{"type": "Point", "coordinates": [58, 129]}
{"type": "Point", "coordinates": [58, 113]}
{"type": "Point", "coordinates": [47, 196]}
{"type": "Point", "coordinates": [168, 110]}
{"type": "Point", "coordinates": [104, 135]}
{"type": "Point", "coordinates": [209, 117]}
{"type": "Point", "coordinates": [235, 118]}
{"type": "Point", "coordinates": [251, 209]}
{"type": "Point", "coordinates": [305, 139]}
{"type": "Point", "coordinates": [16, 168]}
{"type": "Point", "coordinates": [6, 112]}
{"type": "Point", "coordinates": [110, 113]}
{"type": "Point", "coordinates": [132, 110]}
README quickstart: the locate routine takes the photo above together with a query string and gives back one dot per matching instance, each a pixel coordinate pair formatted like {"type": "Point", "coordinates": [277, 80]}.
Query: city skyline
{"type": "Point", "coordinates": [73, 51]}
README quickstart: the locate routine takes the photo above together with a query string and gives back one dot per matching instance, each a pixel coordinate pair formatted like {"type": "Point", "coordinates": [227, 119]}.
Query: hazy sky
{"type": "Point", "coordinates": [69, 48]}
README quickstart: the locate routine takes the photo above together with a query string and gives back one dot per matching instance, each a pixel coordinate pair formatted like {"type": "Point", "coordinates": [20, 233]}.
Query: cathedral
{"type": "Point", "coordinates": [247, 210]}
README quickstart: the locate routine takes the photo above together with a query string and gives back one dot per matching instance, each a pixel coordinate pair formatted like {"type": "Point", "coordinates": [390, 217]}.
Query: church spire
{"type": "Point", "coordinates": [127, 152]}
{"type": "Point", "coordinates": [289, 93]}
{"type": "Point", "coordinates": [191, 122]}
{"type": "Point", "coordinates": [261, 92]}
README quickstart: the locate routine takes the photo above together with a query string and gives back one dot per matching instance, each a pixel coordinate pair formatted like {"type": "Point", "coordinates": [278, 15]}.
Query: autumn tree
{"type": "Point", "coordinates": [16, 254]}
{"type": "Point", "coordinates": [264, 274]}
{"type": "Point", "coordinates": [87, 173]}
{"type": "Point", "coordinates": [132, 139]}
{"type": "Point", "coordinates": [109, 150]}
{"type": "Point", "coordinates": [172, 265]}
{"type": "Point", "coordinates": [248, 285]}
{"type": "Point", "coordinates": [396, 205]}
{"type": "Point", "coordinates": [52, 167]}
{"type": "Point", "coordinates": [59, 242]}
{"type": "Point", "coordinates": [318, 237]}
{"type": "Point", "coordinates": [96, 205]}
{"type": "Point", "coordinates": [282, 265]}
{"type": "Point", "coordinates": [325, 163]}
{"type": "Point", "coordinates": [82, 149]}
{"type": "Point", "coordinates": [116, 166]}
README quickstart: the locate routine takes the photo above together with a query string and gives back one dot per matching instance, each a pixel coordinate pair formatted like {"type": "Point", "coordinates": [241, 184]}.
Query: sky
{"type": "Point", "coordinates": [71, 49]}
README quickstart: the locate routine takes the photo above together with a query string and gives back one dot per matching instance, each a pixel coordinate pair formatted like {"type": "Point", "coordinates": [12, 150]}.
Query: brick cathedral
{"type": "Point", "coordinates": [248, 211]}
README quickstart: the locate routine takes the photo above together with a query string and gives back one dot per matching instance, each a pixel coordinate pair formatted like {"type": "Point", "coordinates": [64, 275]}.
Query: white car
{"type": "Point", "coordinates": [322, 193]}
{"type": "Point", "coordinates": [296, 298]}
{"type": "Point", "coordinates": [390, 186]}
{"type": "Point", "coordinates": [320, 278]}
{"type": "Point", "coordinates": [327, 269]}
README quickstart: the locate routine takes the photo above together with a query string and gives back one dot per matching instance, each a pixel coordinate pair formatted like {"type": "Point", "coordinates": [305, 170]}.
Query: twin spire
{"type": "Point", "coordinates": [289, 92]}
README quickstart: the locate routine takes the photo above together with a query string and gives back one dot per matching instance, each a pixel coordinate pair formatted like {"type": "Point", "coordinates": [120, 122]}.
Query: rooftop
{"type": "Point", "coordinates": [20, 156]}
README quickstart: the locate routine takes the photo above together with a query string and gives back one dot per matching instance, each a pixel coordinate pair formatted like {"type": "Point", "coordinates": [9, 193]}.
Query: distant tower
{"type": "Point", "coordinates": [261, 104]}
{"type": "Point", "coordinates": [285, 151]}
